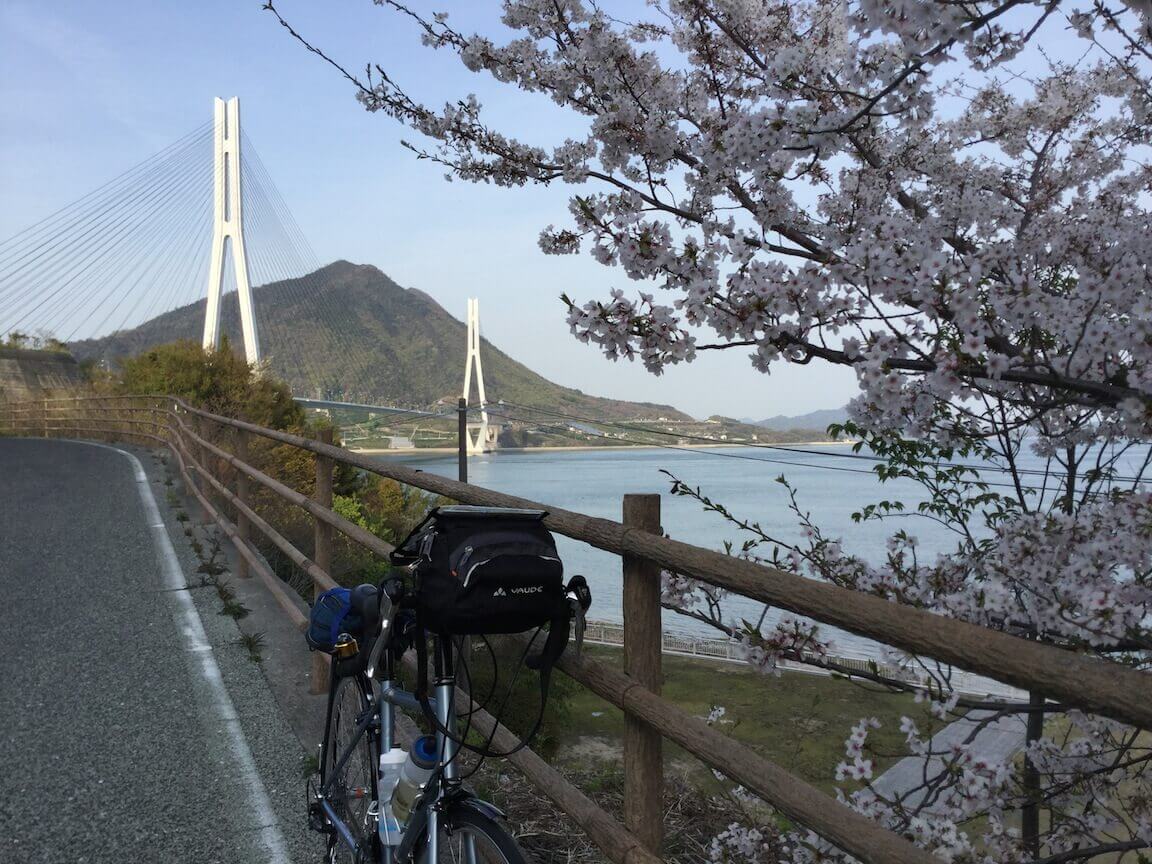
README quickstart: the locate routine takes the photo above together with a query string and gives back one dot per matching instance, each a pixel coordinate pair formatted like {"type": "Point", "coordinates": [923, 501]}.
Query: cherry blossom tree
{"type": "Point", "coordinates": [949, 198]}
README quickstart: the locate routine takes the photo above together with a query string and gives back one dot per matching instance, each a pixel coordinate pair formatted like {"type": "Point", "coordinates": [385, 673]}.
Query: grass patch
{"type": "Point", "coordinates": [253, 643]}
{"type": "Point", "coordinates": [798, 721]}
{"type": "Point", "coordinates": [309, 765]}
{"type": "Point", "coordinates": [234, 609]}
{"type": "Point", "coordinates": [211, 567]}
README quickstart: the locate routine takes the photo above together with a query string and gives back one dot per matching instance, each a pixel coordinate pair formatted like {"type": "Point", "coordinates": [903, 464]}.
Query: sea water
{"type": "Point", "coordinates": [831, 484]}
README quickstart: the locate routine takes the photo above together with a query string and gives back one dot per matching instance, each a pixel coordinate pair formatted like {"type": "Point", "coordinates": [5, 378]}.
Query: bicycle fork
{"type": "Point", "coordinates": [387, 733]}
{"type": "Point", "coordinates": [447, 746]}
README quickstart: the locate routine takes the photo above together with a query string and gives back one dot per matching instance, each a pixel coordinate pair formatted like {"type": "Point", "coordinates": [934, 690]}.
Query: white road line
{"type": "Point", "coordinates": [188, 621]}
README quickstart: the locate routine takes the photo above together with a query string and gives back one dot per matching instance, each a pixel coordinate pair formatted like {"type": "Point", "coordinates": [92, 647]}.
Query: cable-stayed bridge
{"type": "Point", "coordinates": [201, 223]}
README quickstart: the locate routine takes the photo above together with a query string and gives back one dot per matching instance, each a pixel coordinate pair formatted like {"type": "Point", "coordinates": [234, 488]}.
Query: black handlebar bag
{"type": "Point", "coordinates": [489, 570]}
{"type": "Point", "coordinates": [484, 570]}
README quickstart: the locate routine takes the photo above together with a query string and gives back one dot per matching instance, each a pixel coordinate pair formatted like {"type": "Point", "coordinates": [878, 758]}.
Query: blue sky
{"type": "Point", "coordinates": [90, 89]}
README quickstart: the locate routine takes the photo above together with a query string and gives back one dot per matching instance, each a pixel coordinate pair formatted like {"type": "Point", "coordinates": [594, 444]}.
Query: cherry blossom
{"type": "Point", "coordinates": [952, 201]}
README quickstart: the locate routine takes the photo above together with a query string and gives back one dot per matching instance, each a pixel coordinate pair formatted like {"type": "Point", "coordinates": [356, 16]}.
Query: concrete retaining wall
{"type": "Point", "coordinates": [28, 374]}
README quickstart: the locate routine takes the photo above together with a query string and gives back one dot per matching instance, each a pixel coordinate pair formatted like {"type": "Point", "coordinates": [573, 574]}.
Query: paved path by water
{"type": "Point", "coordinates": [998, 741]}
{"type": "Point", "coordinates": [124, 735]}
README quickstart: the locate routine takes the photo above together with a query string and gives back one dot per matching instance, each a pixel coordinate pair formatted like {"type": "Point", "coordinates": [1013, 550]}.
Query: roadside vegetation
{"type": "Point", "coordinates": [220, 381]}
{"type": "Point", "coordinates": [33, 342]}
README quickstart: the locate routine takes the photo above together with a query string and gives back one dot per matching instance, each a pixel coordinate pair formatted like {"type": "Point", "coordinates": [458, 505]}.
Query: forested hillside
{"type": "Point", "coordinates": [348, 332]}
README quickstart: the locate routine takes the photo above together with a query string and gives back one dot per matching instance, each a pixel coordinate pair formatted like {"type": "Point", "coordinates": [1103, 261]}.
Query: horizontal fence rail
{"type": "Point", "coordinates": [1074, 679]}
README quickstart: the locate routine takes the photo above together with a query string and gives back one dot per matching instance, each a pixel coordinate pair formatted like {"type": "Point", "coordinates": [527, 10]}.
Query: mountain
{"type": "Point", "coordinates": [813, 420]}
{"type": "Point", "coordinates": [363, 338]}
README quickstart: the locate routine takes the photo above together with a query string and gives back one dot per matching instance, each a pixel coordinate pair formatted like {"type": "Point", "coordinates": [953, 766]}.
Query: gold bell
{"type": "Point", "coordinates": [346, 647]}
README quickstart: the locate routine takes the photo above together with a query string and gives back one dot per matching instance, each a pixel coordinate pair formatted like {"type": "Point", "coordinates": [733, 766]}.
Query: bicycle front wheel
{"type": "Point", "coordinates": [467, 836]}
{"type": "Point", "coordinates": [353, 785]}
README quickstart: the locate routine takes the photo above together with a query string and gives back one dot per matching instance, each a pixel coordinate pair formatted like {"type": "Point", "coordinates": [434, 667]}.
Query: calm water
{"type": "Point", "coordinates": [742, 478]}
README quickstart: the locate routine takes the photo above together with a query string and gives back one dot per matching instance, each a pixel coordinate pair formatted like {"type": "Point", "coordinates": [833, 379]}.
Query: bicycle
{"type": "Point", "coordinates": [448, 823]}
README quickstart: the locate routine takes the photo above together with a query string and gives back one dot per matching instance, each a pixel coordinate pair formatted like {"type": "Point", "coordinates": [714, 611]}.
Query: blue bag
{"type": "Point", "coordinates": [330, 616]}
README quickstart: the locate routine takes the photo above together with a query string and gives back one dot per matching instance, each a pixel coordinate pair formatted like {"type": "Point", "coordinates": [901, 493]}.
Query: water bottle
{"type": "Point", "coordinates": [391, 829]}
{"type": "Point", "coordinates": [413, 775]}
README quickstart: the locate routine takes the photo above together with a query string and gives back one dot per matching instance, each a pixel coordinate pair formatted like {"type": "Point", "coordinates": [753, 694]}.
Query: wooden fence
{"type": "Point", "coordinates": [210, 452]}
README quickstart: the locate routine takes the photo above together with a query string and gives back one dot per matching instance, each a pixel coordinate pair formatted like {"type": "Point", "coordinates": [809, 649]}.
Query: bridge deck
{"type": "Point", "coordinates": [121, 741]}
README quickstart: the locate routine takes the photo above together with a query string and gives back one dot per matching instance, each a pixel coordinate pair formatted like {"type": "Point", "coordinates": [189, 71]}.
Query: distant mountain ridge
{"type": "Point", "coordinates": [366, 339]}
{"type": "Point", "coordinates": [820, 420]}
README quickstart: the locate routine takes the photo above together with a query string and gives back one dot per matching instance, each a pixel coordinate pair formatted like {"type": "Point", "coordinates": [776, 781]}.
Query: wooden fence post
{"type": "Point", "coordinates": [201, 426]}
{"type": "Point", "coordinates": [643, 633]}
{"type": "Point", "coordinates": [243, 528]}
{"type": "Point", "coordinates": [322, 550]}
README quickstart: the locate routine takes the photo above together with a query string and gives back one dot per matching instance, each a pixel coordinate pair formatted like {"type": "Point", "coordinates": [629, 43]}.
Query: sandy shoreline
{"type": "Point", "coordinates": [444, 451]}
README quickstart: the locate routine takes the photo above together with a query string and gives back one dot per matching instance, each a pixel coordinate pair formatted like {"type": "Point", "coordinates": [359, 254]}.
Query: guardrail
{"type": "Point", "coordinates": [218, 474]}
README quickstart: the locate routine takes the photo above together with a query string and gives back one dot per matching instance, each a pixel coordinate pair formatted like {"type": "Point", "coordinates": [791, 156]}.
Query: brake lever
{"type": "Point", "coordinates": [382, 637]}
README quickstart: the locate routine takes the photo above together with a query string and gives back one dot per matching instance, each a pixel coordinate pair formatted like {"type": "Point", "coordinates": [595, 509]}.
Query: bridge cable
{"type": "Point", "coordinates": [183, 265]}
{"type": "Point", "coordinates": [281, 277]}
{"type": "Point", "coordinates": [149, 251]}
{"type": "Point", "coordinates": [158, 198]}
{"type": "Point", "coordinates": [324, 307]}
{"type": "Point", "coordinates": [130, 194]}
{"type": "Point", "coordinates": [179, 225]}
{"type": "Point", "coordinates": [92, 248]}
{"type": "Point", "coordinates": [197, 252]}
{"type": "Point", "coordinates": [336, 315]}
{"type": "Point", "coordinates": [68, 251]}
{"type": "Point", "coordinates": [121, 179]}
{"type": "Point", "coordinates": [306, 289]}
{"type": "Point", "coordinates": [276, 278]}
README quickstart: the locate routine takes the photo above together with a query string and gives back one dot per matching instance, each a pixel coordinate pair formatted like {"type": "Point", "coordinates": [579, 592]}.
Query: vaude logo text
{"type": "Point", "coordinates": [528, 589]}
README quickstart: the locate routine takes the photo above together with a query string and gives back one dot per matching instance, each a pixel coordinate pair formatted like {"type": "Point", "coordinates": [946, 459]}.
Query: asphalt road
{"type": "Point", "coordinates": [114, 745]}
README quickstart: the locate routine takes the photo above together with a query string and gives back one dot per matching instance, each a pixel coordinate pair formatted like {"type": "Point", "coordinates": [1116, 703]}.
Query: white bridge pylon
{"type": "Point", "coordinates": [482, 436]}
{"type": "Point", "coordinates": [228, 232]}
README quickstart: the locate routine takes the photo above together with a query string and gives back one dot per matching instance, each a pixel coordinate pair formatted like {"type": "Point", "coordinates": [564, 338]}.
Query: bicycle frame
{"type": "Point", "coordinates": [381, 717]}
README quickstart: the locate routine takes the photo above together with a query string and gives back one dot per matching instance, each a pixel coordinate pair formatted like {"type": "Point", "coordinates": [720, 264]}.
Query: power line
{"type": "Point", "coordinates": [684, 448]}
{"type": "Point", "coordinates": [718, 454]}
{"type": "Point", "coordinates": [785, 448]}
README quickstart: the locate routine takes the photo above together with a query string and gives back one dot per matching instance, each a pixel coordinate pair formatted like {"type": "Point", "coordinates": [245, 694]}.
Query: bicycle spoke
{"type": "Point", "coordinates": [351, 794]}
